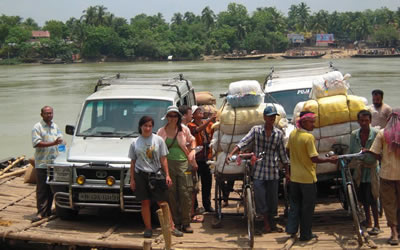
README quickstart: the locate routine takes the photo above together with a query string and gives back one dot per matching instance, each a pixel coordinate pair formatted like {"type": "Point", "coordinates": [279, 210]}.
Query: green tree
{"type": "Point", "coordinates": [100, 41]}
{"type": "Point", "coordinates": [386, 35]}
{"type": "Point", "coordinates": [208, 17]}
{"type": "Point", "coordinates": [57, 29]}
{"type": "Point", "coordinates": [177, 18]}
{"type": "Point", "coordinates": [29, 23]}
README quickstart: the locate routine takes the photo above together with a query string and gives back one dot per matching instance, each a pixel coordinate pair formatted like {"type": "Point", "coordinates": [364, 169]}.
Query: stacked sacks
{"type": "Point", "coordinates": [336, 114]}
{"type": "Point", "coordinates": [207, 101]}
{"type": "Point", "coordinates": [236, 118]}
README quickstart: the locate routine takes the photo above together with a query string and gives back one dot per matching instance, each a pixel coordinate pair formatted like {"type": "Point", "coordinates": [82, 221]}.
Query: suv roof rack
{"type": "Point", "coordinates": [165, 82]}
{"type": "Point", "coordinates": [322, 69]}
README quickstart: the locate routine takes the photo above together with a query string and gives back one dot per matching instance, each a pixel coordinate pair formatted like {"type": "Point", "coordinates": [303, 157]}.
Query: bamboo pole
{"type": "Point", "coordinates": [12, 164]}
{"type": "Point", "coordinates": [167, 219]}
{"type": "Point", "coordinates": [165, 229]}
{"type": "Point", "coordinates": [17, 172]}
{"type": "Point", "coordinates": [72, 241]}
{"type": "Point", "coordinates": [147, 245]}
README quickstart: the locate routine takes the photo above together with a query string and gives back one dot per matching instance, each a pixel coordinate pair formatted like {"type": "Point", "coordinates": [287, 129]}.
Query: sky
{"type": "Point", "coordinates": [45, 10]}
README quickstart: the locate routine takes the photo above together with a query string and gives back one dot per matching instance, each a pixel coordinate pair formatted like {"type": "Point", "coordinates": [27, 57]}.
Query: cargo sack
{"type": "Point", "coordinates": [205, 98]}
{"type": "Point", "coordinates": [30, 174]}
{"type": "Point", "coordinates": [245, 93]}
{"type": "Point", "coordinates": [335, 109]}
{"type": "Point", "coordinates": [247, 117]}
{"type": "Point", "coordinates": [329, 84]}
{"type": "Point", "coordinates": [241, 121]}
{"type": "Point", "coordinates": [209, 108]}
{"type": "Point", "coordinates": [325, 144]}
{"type": "Point", "coordinates": [335, 130]}
{"type": "Point", "coordinates": [226, 143]}
{"type": "Point", "coordinates": [231, 168]}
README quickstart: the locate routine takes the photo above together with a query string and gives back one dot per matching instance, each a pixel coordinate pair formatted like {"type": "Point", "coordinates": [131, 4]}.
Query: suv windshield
{"type": "Point", "coordinates": [119, 117]}
{"type": "Point", "coordinates": [288, 99]}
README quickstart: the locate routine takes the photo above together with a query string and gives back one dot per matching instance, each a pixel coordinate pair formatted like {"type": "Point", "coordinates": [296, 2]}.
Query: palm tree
{"type": "Point", "coordinates": [29, 22]}
{"type": "Point", "coordinates": [189, 17]}
{"type": "Point", "coordinates": [303, 14]}
{"type": "Point", "coordinates": [177, 19]}
{"type": "Point", "coordinates": [89, 16]}
{"type": "Point", "coordinates": [101, 14]}
{"type": "Point", "coordinates": [208, 17]}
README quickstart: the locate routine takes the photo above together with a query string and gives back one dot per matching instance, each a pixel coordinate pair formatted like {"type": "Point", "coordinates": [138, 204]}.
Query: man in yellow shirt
{"type": "Point", "coordinates": [303, 178]}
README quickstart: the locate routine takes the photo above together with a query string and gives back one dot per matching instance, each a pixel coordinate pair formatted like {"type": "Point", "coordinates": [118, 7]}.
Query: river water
{"type": "Point", "coordinates": [24, 89]}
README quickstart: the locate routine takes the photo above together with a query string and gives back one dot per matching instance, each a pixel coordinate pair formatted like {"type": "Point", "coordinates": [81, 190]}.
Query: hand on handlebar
{"type": "Point", "coordinates": [333, 159]}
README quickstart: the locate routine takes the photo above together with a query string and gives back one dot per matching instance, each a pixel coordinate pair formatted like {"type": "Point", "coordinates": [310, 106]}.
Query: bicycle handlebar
{"type": "Point", "coordinates": [247, 156]}
{"type": "Point", "coordinates": [346, 156]}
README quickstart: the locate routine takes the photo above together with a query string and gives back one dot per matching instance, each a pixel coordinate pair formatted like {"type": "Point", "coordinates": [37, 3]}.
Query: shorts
{"type": "Point", "coordinates": [364, 194]}
{"type": "Point", "coordinates": [143, 191]}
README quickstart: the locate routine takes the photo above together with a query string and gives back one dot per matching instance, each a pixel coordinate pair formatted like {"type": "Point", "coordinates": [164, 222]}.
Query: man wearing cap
{"type": "Point", "coordinates": [268, 139]}
{"type": "Point", "coordinates": [303, 178]}
{"type": "Point", "coordinates": [201, 130]}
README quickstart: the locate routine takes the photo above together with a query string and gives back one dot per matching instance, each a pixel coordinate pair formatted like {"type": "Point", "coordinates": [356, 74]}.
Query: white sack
{"type": "Point", "coordinates": [231, 168]}
{"type": "Point", "coordinates": [325, 144]}
{"type": "Point", "coordinates": [335, 130]}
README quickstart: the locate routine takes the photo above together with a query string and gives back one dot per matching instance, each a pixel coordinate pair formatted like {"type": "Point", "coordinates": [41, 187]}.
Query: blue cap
{"type": "Point", "coordinates": [270, 111]}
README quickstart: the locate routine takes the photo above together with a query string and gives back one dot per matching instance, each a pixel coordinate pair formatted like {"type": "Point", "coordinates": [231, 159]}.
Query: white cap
{"type": "Point", "coordinates": [195, 108]}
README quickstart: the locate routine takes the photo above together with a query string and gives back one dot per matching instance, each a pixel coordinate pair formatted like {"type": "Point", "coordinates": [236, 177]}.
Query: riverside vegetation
{"type": "Point", "coordinates": [99, 33]}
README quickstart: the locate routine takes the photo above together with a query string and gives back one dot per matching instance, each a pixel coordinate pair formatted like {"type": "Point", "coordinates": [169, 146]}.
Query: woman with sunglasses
{"type": "Point", "coordinates": [177, 136]}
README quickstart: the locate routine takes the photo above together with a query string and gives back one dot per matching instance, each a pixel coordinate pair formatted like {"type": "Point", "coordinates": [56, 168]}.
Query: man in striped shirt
{"type": "Point", "coordinates": [45, 137]}
{"type": "Point", "coordinates": [267, 139]}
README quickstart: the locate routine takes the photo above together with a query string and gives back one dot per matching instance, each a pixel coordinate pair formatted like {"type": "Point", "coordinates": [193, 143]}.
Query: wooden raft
{"type": "Point", "coordinates": [111, 229]}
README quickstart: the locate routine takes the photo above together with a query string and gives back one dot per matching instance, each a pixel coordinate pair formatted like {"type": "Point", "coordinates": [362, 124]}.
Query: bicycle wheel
{"type": "Point", "coordinates": [218, 199]}
{"type": "Point", "coordinates": [250, 216]}
{"type": "Point", "coordinates": [354, 213]}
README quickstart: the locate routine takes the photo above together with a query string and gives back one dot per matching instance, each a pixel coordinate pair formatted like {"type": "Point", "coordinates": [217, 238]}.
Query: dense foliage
{"type": "Point", "coordinates": [98, 33]}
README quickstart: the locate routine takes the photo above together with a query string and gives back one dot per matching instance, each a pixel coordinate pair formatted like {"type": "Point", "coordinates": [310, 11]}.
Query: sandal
{"type": "Point", "coordinates": [148, 233]}
{"type": "Point", "coordinates": [276, 230]}
{"type": "Point", "coordinates": [392, 242]}
{"type": "Point", "coordinates": [198, 218]}
{"type": "Point", "coordinates": [374, 231]}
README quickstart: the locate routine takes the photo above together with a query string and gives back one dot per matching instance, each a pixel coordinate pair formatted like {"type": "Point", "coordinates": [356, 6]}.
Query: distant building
{"type": "Point", "coordinates": [295, 38]}
{"type": "Point", "coordinates": [37, 34]}
{"type": "Point", "coordinates": [324, 39]}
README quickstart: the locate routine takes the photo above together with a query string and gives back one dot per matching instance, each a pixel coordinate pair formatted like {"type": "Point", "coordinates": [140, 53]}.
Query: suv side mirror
{"type": "Point", "coordinates": [69, 129]}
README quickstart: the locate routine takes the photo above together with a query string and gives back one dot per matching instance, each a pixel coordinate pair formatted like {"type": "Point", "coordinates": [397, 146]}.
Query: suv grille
{"type": "Point", "coordinates": [99, 174]}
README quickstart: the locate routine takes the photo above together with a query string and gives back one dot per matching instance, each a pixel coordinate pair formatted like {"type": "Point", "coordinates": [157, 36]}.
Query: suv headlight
{"type": "Point", "coordinates": [61, 173]}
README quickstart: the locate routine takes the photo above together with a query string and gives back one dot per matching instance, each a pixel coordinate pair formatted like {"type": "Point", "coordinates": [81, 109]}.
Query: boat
{"type": "Point", "coordinates": [376, 53]}
{"type": "Point", "coordinates": [243, 57]}
{"type": "Point", "coordinates": [374, 56]}
{"type": "Point", "coordinates": [303, 56]}
{"type": "Point", "coordinates": [53, 61]}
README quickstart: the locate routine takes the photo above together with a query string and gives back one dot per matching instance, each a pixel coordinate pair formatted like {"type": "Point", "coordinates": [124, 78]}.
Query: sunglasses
{"type": "Point", "coordinates": [172, 116]}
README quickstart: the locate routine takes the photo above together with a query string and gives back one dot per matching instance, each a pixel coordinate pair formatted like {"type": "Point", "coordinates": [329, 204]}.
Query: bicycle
{"type": "Point", "coordinates": [348, 189]}
{"type": "Point", "coordinates": [248, 190]}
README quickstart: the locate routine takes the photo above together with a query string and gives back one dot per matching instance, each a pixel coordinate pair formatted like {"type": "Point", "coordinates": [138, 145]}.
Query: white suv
{"type": "Point", "coordinates": [95, 170]}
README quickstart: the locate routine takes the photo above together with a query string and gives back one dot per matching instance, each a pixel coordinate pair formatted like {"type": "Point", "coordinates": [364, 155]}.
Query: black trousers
{"type": "Point", "coordinates": [44, 196]}
{"type": "Point", "coordinates": [206, 181]}
{"type": "Point", "coordinates": [302, 203]}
